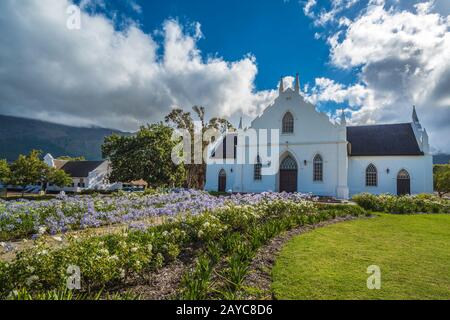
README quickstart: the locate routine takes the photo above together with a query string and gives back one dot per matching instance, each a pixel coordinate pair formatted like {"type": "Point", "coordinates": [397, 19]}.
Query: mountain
{"type": "Point", "coordinates": [441, 158]}
{"type": "Point", "coordinates": [20, 136]}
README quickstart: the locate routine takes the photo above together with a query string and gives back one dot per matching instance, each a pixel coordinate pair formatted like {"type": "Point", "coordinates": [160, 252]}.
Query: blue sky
{"type": "Point", "coordinates": [276, 32]}
{"type": "Point", "coordinates": [131, 61]}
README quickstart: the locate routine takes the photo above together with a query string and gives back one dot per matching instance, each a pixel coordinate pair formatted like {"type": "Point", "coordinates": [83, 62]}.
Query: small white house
{"type": "Point", "coordinates": [86, 175]}
{"type": "Point", "coordinates": [324, 158]}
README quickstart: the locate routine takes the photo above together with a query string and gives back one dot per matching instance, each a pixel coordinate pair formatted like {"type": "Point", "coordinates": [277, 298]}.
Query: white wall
{"type": "Point", "coordinates": [420, 169]}
{"type": "Point", "coordinates": [212, 177]}
{"type": "Point", "coordinates": [315, 134]}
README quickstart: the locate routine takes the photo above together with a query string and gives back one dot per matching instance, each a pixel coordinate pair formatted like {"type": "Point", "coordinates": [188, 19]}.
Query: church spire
{"type": "Point", "coordinates": [297, 84]}
{"type": "Point", "coordinates": [415, 118]}
{"type": "Point", "coordinates": [281, 85]}
{"type": "Point", "coordinates": [343, 118]}
{"type": "Point", "coordinates": [240, 124]}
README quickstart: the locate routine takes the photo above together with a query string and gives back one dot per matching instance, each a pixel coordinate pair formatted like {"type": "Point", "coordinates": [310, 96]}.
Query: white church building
{"type": "Point", "coordinates": [321, 157]}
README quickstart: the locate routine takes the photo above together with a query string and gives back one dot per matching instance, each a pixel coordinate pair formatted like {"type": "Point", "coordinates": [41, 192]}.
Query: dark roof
{"type": "Point", "coordinates": [80, 169]}
{"type": "Point", "coordinates": [383, 140]}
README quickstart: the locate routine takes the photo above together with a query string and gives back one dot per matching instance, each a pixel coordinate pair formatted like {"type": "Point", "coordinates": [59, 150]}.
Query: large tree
{"type": "Point", "coordinates": [31, 170]}
{"type": "Point", "coordinates": [442, 179]}
{"type": "Point", "coordinates": [146, 155]}
{"type": "Point", "coordinates": [179, 119]}
{"type": "Point", "coordinates": [28, 170]}
{"type": "Point", "coordinates": [57, 177]}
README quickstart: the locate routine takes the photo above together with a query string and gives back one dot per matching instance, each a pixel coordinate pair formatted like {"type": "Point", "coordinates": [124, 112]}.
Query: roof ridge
{"type": "Point", "coordinates": [380, 125]}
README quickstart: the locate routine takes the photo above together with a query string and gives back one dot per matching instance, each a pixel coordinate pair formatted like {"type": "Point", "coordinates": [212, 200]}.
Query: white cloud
{"type": "Point", "coordinates": [308, 8]}
{"type": "Point", "coordinates": [101, 76]}
{"type": "Point", "coordinates": [323, 17]}
{"type": "Point", "coordinates": [424, 7]}
{"type": "Point", "coordinates": [403, 58]}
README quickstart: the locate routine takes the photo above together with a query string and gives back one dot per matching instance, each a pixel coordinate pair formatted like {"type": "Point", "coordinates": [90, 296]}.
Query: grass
{"type": "Point", "coordinates": [413, 252]}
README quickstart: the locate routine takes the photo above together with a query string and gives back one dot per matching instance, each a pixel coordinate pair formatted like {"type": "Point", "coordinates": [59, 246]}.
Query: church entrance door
{"type": "Point", "coordinates": [222, 181]}
{"type": "Point", "coordinates": [288, 175]}
{"type": "Point", "coordinates": [403, 183]}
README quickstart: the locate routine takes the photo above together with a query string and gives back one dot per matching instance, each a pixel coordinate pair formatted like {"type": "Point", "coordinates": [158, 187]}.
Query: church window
{"type": "Point", "coordinates": [371, 176]}
{"type": "Point", "coordinates": [257, 169]}
{"type": "Point", "coordinates": [288, 123]}
{"type": "Point", "coordinates": [318, 168]}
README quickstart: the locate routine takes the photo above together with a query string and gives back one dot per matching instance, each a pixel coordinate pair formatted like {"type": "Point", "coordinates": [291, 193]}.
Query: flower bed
{"type": "Point", "coordinates": [404, 204]}
{"type": "Point", "coordinates": [232, 231]}
{"type": "Point", "coordinates": [27, 218]}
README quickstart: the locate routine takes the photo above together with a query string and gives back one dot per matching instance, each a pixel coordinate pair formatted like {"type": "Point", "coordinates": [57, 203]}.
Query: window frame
{"type": "Point", "coordinates": [371, 176]}
{"type": "Point", "coordinates": [257, 169]}
{"type": "Point", "coordinates": [288, 128]}
{"type": "Point", "coordinates": [318, 168]}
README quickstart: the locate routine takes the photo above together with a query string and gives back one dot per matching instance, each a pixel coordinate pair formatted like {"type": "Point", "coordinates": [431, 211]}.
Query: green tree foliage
{"type": "Point", "coordinates": [28, 170]}
{"type": "Point", "coordinates": [146, 155]}
{"type": "Point", "coordinates": [5, 176]}
{"type": "Point", "coordinates": [442, 179]}
{"type": "Point", "coordinates": [5, 171]}
{"type": "Point", "coordinates": [196, 173]}
{"type": "Point", "coordinates": [58, 177]}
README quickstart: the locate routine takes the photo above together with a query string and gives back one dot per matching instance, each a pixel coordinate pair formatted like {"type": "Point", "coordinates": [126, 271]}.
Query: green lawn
{"type": "Point", "coordinates": [413, 252]}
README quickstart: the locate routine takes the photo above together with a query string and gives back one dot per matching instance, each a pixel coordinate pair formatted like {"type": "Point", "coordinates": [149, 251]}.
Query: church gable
{"type": "Point", "coordinates": [296, 118]}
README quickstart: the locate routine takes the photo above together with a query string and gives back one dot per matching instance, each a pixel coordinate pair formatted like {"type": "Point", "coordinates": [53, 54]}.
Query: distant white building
{"type": "Point", "coordinates": [324, 158]}
{"type": "Point", "coordinates": [86, 175]}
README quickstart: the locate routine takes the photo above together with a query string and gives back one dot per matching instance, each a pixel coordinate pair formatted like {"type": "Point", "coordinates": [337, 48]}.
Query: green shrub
{"type": "Point", "coordinates": [403, 204]}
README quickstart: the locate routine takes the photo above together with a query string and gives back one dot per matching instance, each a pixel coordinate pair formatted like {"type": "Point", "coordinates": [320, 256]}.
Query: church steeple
{"type": "Point", "coordinates": [281, 85]}
{"type": "Point", "coordinates": [343, 118]}
{"type": "Point", "coordinates": [297, 84]}
{"type": "Point", "coordinates": [240, 124]}
{"type": "Point", "coordinates": [415, 118]}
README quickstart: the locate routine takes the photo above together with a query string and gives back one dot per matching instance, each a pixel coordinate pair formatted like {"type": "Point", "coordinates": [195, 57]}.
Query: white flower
{"type": "Point", "coordinates": [42, 230]}
{"type": "Point", "coordinates": [32, 279]}
{"type": "Point", "coordinates": [134, 249]}
{"type": "Point", "coordinates": [200, 234]}
{"type": "Point", "coordinates": [59, 239]}
{"type": "Point", "coordinates": [206, 225]}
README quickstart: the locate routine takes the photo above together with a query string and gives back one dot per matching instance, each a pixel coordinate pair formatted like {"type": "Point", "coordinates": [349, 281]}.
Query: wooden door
{"type": "Point", "coordinates": [288, 175]}
{"type": "Point", "coordinates": [403, 183]}
{"type": "Point", "coordinates": [222, 181]}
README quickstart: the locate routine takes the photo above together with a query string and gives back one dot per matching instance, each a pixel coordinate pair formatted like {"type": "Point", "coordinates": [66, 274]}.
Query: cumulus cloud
{"type": "Point", "coordinates": [403, 59]}
{"type": "Point", "coordinates": [99, 75]}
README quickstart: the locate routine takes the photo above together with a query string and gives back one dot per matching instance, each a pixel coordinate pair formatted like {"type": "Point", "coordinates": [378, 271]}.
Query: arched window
{"type": "Point", "coordinates": [288, 164]}
{"type": "Point", "coordinates": [403, 183]}
{"type": "Point", "coordinates": [257, 169]}
{"type": "Point", "coordinates": [288, 123]}
{"type": "Point", "coordinates": [403, 175]}
{"type": "Point", "coordinates": [371, 176]}
{"type": "Point", "coordinates": [318, 168]}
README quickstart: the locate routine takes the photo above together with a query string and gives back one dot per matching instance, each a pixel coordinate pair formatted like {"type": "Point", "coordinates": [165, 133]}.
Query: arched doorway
{"type": "Point", "coordinates": [403, 183]}
{"type": "Point", "coordinates": [288, 175]}
{"type": "Point", "coordinates": [222, 181]}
